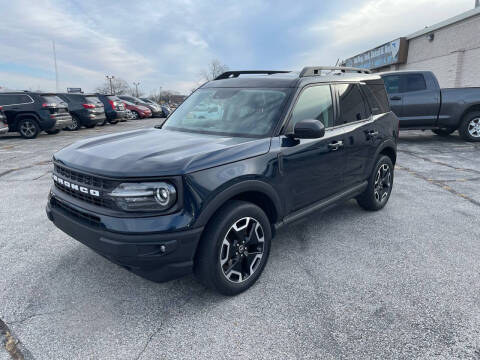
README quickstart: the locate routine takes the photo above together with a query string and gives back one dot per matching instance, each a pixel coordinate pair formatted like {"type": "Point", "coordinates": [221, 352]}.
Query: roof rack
{"type": "Point", "coordinates": [316, 70]}
{"type": "Point", "coordinates": [234, 74]}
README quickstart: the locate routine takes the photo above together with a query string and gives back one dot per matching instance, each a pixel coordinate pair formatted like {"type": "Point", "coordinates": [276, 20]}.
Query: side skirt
{"type": "Point", "coordinates": [323, 204]}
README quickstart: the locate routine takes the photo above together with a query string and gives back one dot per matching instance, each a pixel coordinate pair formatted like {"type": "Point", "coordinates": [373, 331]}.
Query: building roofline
{"type": "Point", "coordinates": [445, 23]}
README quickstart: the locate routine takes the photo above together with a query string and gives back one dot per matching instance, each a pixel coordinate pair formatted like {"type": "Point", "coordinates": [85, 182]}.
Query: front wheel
{"type": "Point", "coordinates": [470, 127]}
{"type": "Point", "coordinates": [379, 187]}
{"type": "Point", "coordinates": [234, 248]}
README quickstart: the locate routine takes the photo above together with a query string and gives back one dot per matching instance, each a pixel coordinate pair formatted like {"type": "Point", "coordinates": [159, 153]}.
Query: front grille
{"type": "Point", "coordinates": [91, 182]}
{"type": "Point", "coordinates": [80, 215]}
{"type": "Point", "coordinates": [83, 179]}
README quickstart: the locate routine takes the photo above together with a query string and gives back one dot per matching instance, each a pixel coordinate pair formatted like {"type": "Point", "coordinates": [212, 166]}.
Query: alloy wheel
{"type": "Point", "coordinates": [73, 125]}
{"type": "Point", "coordinates": [242, 250]}
{"type": "Point", "coordinates": [474, 127]}
{"type": "Point", "coordinates": [383, 183]}
{"type": "Point", "coordinates": [28, 128]}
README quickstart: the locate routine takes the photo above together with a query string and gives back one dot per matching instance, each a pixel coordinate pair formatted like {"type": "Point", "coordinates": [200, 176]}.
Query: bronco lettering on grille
{"type": "Point", "coordinates": [75, 187]}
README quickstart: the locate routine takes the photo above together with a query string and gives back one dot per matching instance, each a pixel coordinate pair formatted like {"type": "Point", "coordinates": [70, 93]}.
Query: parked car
{"type": "Point", "coordinates": [420, 103]}
{"type": "Point", "coordinates": [138, 111]}
{"type": "Point", "coordinates": [165, 109]}
{"type": "Point", "coordinates": [29, 113]}
{"type": "Point", "coordinates": [86, 110]}
{"type": "Point", "coordinates": [3, 122]}
{"type": "Point", "coordinates": [208, 195]}
{"type": "Point", "coordinates": [154, 108]}
{"type": "Point", "coordinates": [114, 108]}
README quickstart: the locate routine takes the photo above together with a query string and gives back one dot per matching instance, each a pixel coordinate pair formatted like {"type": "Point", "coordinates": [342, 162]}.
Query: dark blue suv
{"type": "Point", "coordinates": [244, 155]}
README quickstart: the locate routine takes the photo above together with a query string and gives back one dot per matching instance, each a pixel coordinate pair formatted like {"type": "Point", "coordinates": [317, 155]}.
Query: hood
{"type": "Point", "coordinates": [157, 152]}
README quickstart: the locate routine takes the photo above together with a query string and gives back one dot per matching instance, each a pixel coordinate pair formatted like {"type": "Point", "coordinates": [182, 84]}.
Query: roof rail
{"type": "Point", "coordinates": [316, 70]}
{"type": "Point", "coordinates": [234, 74]}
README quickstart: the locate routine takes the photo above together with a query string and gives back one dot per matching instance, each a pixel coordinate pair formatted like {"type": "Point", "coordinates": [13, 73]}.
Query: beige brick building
{"type": "Point", "coordinates": [451, 49]}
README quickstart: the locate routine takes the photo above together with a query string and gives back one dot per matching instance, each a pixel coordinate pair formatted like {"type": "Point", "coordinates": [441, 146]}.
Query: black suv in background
{"type": "Point", "coordinates": [29, 113]}
{"type": "Point", "coordinates": [154, 107]}
{"type": "Point", "coordinates": [114, 108]}
{"type": "Point", "coordinates": [208, 194]}
{"type": "Point", "coordinates": [86, 110]}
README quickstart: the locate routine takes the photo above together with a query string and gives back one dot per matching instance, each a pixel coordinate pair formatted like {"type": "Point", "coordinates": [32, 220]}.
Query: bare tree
{"type": "Point", "coordinates": [214, 69]}
{"type": "Point", "coordinates": [119, 87]}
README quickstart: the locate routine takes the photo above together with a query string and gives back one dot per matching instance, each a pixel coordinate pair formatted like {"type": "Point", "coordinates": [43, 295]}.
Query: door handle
{"type": "Point", "coordinates": [335, 145]}
{"type": "Point", "coordinates": [395, 98]}
{"type": "Point", "coordinates": [372, 133]}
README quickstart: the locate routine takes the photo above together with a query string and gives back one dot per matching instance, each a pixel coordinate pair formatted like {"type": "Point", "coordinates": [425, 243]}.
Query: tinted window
{"type": "Point", "coordinates": [376, 98]}
{"type": "Point", "coordinates": [14, 99]}
{"type": "Point", "coordinates": [352, 106]}
{"type": "Point", "coordinates": [314, 102]}
{"type": "Point", "coordinates": [52, 99]}
{"type": "Point", "coordinates": [93, 100]}
{"type": "Point", "coordinates": [230, 111]}
{"type": "Point", "coordinates": [392, 84]}
{"type": "Point", "coordinates": [415, 82]}
{"type": "Point", "coordinates": [7, 99]}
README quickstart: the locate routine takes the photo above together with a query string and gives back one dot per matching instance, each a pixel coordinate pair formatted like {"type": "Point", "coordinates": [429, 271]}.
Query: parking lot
{"type": "Point", "coordinates": [399, 283]}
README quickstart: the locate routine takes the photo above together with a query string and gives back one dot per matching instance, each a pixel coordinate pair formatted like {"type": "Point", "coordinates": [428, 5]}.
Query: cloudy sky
{"type": "Point", "coordinates": [167, 43]}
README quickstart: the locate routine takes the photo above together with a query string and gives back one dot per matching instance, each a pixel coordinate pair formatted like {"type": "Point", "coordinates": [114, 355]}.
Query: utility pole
{"type": "Point", "coordinates": [55, 62]}
{"type": "Point", "coordinates": [136, 86]}
{"type": "Point", "coordinates": [110, 78]}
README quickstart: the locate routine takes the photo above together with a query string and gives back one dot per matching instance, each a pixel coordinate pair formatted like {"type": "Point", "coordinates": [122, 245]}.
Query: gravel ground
{"type": "Point", "coordinates": [344, 284]}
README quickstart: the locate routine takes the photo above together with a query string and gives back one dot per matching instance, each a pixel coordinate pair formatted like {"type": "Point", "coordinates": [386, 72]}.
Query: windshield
{"type": "Point", "coordinates": [229, 111]}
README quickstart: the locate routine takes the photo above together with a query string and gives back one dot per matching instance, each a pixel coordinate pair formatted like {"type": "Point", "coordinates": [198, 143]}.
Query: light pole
{"type": "Point", "coordinates": [110, 77]}
{"type": "Point", "coordinates": [160, 95]}
{"type": "Point", "coordinates": [136, 87]}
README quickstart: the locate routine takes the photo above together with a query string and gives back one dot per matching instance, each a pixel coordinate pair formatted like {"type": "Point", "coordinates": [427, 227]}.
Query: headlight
{"type": "Point", "coordinates": [154, 196]}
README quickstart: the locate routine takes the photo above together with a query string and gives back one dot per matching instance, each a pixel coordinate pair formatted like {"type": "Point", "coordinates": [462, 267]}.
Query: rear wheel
{"type": "Point", "coordinates": [102, 123]}
{"type": "Point", "coordinates": [28, 128]}
{"type": "Point", "coordinates": [443, 132]}
{"type": "Point", "coordinates": [234, 248]}
{"type": "Point", "coordinates": [470, 127]}
{"type": "Point", "coordinates": [75, 125]}
{"type": "Point", "coordinates": [379, 187]}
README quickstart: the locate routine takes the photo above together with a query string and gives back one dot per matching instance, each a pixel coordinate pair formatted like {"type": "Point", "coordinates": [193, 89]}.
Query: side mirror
{"type": "Point", "coordinates": [308, 129]}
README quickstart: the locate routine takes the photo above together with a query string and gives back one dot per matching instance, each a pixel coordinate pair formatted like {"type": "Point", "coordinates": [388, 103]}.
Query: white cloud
{"type": "Point", "coordinates": [374, 23]}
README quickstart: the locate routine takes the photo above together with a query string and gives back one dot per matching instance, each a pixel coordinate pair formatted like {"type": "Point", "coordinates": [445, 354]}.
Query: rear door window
{"type": "Point", "coordinates": [15, 99]}
{"type": "Point", "coordinates": [352, 104]}
{"type": "Point", "coordinates": [6, 99]}
{"type": "Point", "coordinates": [415, 82]}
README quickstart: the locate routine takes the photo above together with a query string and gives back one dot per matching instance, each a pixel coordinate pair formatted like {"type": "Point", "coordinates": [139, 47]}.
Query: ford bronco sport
{"type": "Point", "coordinates": [207, 195]}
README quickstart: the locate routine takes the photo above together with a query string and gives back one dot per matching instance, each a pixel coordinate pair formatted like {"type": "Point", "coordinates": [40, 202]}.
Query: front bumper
{"type": "Point", "coordinates": [155, 256]}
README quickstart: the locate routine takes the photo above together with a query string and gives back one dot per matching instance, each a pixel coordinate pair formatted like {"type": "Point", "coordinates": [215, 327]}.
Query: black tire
{"type": "Point", "coordinates": [102, 123]}
{"type": "Point", "coordinates": [76, 124]}
{"type": "Point", "coordinates": [225, 278]}
{"type": "Point", "coordinates": [52, 132]}
{"type": "Point", "coordinates": [379, 187]}
{"type": "Point", "coordinates": [443, 132]}
{"type": "Point", "coordinates": [470, 127]}
{"type": "Point", "coordinates": [28, 128]}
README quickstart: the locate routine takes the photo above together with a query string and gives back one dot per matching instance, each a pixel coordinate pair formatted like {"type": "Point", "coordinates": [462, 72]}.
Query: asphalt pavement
{"type": "Point", "coordinates": [401, 283]}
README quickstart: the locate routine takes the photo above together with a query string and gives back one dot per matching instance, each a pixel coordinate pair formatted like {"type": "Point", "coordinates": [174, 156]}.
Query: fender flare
{"type": "Point", "coordinates": [387, 144]}
{"type": "Point", "coordinates": [24, 115]}
{"type": "Point", "coordinates": [245, 186]}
